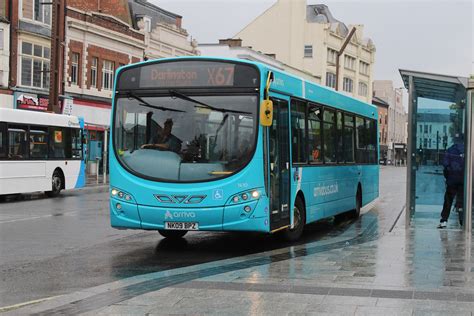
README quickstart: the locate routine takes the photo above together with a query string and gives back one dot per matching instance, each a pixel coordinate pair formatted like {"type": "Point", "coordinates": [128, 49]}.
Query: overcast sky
{"type": "Point", "coordinates": [432, 36]}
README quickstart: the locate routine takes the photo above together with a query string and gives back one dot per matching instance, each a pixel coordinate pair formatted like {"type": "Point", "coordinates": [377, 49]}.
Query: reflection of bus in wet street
{"type": "Point", "coordinates": [232, 145]}
{"type": "Point", "coordinates": [40, 152]}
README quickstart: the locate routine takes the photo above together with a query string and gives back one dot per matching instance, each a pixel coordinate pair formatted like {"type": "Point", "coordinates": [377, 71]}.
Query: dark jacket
{"type": "Point", "coordinates": [453, 163]}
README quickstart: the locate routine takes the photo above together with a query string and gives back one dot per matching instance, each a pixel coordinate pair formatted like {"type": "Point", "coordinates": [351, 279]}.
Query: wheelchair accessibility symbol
{"type": "Point", "coordinates": [218, 194]}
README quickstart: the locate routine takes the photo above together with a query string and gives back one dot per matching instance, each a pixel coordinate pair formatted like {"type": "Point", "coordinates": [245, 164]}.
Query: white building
{"type": "Point", "coordinates": [232, 48]}
{"type": "Point", "coordinates": [308, 37]}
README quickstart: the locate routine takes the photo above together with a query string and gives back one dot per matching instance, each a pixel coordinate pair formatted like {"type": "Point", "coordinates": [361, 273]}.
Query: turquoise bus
{"type": "Point", "coordinates": [218, 144]}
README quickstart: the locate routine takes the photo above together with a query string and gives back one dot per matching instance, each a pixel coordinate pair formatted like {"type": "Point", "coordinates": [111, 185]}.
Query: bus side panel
{"type": "Point", "coordinates": [331, 190]}
{"type": "Point", "coordinates": [23, 176]}
{"type": "Point", "coordinates": [370, 183]}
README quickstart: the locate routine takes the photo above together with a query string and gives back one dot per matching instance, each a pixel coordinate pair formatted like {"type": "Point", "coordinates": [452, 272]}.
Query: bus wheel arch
{"type": "Point", "coordinates": [58, 183]}
{"type": "Point", "coordinates": [299, 219]}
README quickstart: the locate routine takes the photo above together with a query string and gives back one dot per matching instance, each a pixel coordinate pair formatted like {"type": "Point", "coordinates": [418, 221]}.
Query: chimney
{"type": "Point", "coordinates": [232, 42]}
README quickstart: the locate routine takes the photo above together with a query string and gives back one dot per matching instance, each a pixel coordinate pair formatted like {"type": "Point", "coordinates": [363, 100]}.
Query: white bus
{"type": "Point", "coordinates": [40, 152]}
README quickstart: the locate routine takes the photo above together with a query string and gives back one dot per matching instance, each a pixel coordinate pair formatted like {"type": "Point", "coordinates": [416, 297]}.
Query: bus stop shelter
{"type": "Point", "coordinates": [440, 113]}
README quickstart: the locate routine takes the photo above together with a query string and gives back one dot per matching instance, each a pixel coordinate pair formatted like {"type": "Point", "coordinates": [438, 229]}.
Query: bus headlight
{"type": "Point", "coordinates": [122, 195]}
{"type": "Point", "coordinates": [246, 196]}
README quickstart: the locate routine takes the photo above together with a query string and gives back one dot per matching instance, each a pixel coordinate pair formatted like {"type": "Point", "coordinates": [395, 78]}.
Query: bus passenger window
{"type": "Point", "coordinates": [18, 142]}
{"type": "Point", "coordinates": [314, 134]}
{"type": "Point", "coordinates": [361, 140]}
{"type": "Point", "coordinates": [38, 142]}
{"type": "Point", "coordinates": [3, 140]}
{"type": "Point", "coordinates": [348, 138]}
{"type": "Point", "coordinates": [371, 127]}
{"type": "Point", "coordinates": [339, 140]}
{"type": "Point", "coordinates": [298, 130]}
{"type": "Point", "coordinates": [56, 143]}
{"type": "Point", "coordinates": [329, 132]}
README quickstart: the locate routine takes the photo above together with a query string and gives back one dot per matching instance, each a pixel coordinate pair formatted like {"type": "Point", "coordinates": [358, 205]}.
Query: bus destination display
{"type": "Point", "coordinates": [189, 74]}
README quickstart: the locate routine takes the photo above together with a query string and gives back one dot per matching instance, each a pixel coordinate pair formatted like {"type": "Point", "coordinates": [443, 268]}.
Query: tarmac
{"type": "Point", "coordinates": [378, 266]}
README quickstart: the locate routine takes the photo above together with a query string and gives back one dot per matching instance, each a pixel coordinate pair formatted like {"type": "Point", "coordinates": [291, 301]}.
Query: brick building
{"type": "Point", "coordinates": [382, 108]}
{"type": "Point", "coordinates": [101, 36]}
{"type": "Point", "coordinates": [29, 55]}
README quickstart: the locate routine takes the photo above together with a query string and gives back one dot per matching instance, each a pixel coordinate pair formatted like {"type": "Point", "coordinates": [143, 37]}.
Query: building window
{"type": "Point", "coordinates": [331, 80]}
{"type": "Point", "coordinates": [94, 62]}
{"type": "Point", "coordinates": [34, 65]}
{"type": "Point", "coordinates": [308, 51]}
{"type": "Point", "coordinates": [42, 12]}
{"type": "Point", "coordinates": [348, 84]}
{"type": "Point", "coordinates": [332, 56]}
{"type": "Point", "coordinates": [363, 89]}
{"type": "Point", "coordinates": [74, 68]}
{"type": "Point", "coordinates": [349, 62]}
{"type": "Point", "coordinates": [107, 75]}
{"type": "Point", "coordinates": [364, 68]}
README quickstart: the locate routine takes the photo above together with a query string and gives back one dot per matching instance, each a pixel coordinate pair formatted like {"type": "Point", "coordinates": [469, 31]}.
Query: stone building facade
{"type": "Point", "coordinates": [308, 37]}
{"type": "Point", "coordinates": [6, 94]}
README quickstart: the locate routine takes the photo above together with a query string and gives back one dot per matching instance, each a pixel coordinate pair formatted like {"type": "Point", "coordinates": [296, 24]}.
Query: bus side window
{"type": "Point", "coordinates": [18, 142]}
{"type": "Point", "coordinates": [3, 140]}
{"type": "Point", "coordinates": [56, 143]}
{"type": "Point", "coordinates": [38, 142]}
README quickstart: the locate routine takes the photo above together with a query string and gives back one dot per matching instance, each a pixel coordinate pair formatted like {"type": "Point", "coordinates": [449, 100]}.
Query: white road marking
{"type": "Point", "coordinates": [19, 305]}
{"type": "Point", "coordinates": [37, 217]}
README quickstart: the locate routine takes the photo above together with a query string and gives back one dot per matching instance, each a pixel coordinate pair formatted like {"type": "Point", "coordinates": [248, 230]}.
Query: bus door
{"type": "Point", "coordinates": [279, 159]}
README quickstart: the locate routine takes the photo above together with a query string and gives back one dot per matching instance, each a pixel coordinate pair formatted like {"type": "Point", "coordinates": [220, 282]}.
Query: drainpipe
{"type": "Point", "coordinates": [340, 52]}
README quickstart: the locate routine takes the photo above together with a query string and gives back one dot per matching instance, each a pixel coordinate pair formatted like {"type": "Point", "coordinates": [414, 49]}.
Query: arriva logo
{"type": "Point", "coordinates": [173, 215]}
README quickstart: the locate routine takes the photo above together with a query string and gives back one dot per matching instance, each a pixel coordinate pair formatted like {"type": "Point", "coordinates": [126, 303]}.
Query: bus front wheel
{"type": "Point", "coordinates": [57, 184]}
{"type": "Point", "coordinates": [299, 220]}
{"type": "Point", "coordinates": [172, 234]}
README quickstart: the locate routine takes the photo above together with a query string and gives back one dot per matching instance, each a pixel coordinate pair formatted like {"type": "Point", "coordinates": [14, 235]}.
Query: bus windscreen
{"type": "Point", "coordinates": [190, 74]}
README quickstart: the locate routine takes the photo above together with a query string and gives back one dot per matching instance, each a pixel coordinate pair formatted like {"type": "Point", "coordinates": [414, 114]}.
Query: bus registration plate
{"type": "Point", "coordinates": [181, 226]}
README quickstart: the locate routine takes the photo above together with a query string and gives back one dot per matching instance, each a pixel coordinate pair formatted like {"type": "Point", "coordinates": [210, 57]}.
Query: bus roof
{"type": "Point", "coordinates": [38, 118]}
{"type": "Point", "coordinates": [291, 85]}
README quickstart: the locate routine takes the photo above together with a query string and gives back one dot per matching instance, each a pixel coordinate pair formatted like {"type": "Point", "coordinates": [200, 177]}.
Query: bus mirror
{"type": "Point", "coordinates": [266, 113]}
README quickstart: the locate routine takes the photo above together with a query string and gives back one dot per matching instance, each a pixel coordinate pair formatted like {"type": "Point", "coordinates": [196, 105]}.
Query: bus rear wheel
{"type": "Point", "coordinates": [358, 206]}
{"type": "Point", "coordinates": [57, 184]}
{"type": "Point", "coordinates": [172, 234]}
{"type": "Point", "coordinates": [299, 220]}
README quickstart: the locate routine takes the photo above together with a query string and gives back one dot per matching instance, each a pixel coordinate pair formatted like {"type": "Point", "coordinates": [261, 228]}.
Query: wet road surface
{"type": "Point", "coordinates": [51, 247]}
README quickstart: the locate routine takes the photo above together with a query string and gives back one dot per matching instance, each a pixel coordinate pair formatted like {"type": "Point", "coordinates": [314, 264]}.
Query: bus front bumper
{"type": "Point", "coordinates": [222, 218]}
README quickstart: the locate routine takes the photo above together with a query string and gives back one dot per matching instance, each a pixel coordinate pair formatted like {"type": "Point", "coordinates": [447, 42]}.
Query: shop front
{"type": "Point", "coordinates": [96, 116]}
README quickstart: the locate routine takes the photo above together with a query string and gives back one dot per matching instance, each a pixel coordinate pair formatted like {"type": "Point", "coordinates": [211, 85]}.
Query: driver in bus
{"type": "Point", "coordinates": [165, 141]}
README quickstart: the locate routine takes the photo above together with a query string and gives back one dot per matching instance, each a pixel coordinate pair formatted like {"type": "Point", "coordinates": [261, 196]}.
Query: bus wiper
{"type": "Point", "coordinates": [182, 96]}
{"type": "Point", "coordinates": [145, 103]}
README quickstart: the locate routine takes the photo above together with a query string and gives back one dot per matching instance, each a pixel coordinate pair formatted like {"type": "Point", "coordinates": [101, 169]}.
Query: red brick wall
{"type": "Point", "coordinates": [103, 54]}
{"type": "Point", "coordinates": [116, 8]}
{"type": "Point", "coordinates": [75, 47]}
{"type": "Point", "coordinates": [105, 22]}
{"type": "Point", "coordinates": [135, 60]}
{"type": "Point", "coordinates": [14, 43]}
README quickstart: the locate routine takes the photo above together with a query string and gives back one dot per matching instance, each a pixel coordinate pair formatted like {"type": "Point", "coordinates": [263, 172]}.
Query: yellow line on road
{"type": "Point", "coordinates": [19, 305]}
